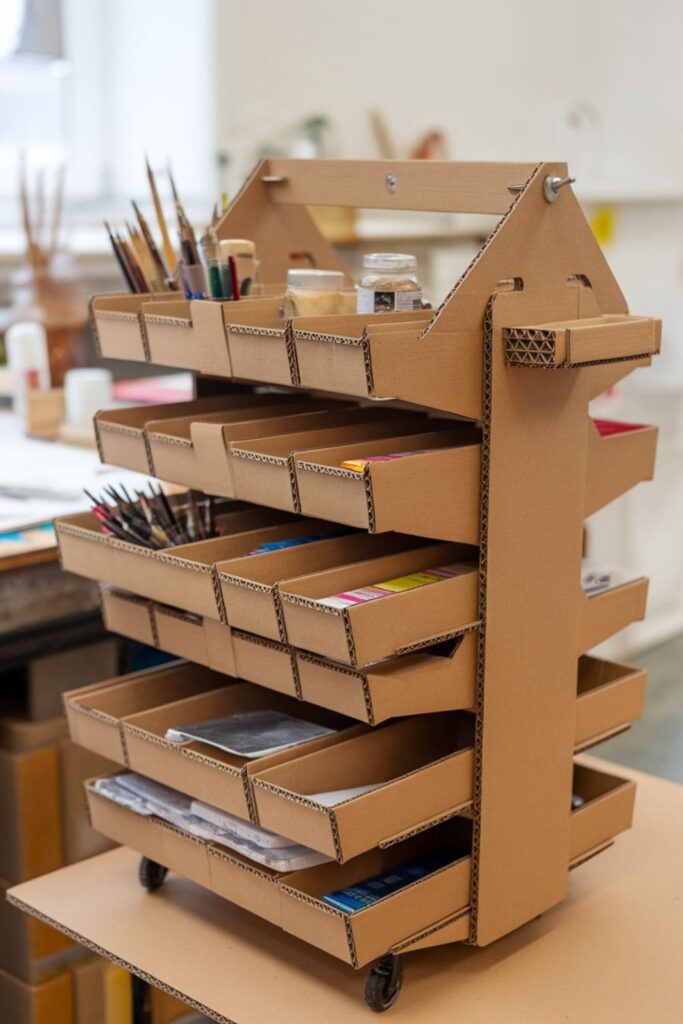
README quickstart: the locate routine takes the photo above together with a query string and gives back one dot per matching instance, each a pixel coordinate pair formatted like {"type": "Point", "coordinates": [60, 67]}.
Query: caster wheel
{"type": "Point", "coordinates": [383, 986]}
{"type": "Point", "coordinates": [151, 874]}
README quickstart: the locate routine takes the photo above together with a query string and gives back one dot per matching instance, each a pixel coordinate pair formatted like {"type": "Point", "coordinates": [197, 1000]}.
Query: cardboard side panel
{"type": "Point", "coordinates": [210, 336]}
{"type": "Point", "coordinates": [251, 609]}
{"type": "Point", "coordinates": [264, 483]}
{"type": "Point", "coordinates": [98, 733]}
{"type": "Point", "coordinates": [266, 663]}
{"type": "Point", "coordinates": [120, 447]}
{"type": "Point", "coordinates": [260, 356]}
{"type": "Point", "coordinates": [128, 615]}
{"type": "Point", "coordinates": [175, 463]}
{"type": "Point", "coordinates": [151, 837]}
{"type": "Point", "coordinates": [172, 342]}
{"type": "Point", "coordinates": [219, 647]}
{"type": "Point", "coordinates": [607, 812]}
{"type": "Point", "coordinates": [243, 884]}
{"type": "Point", "coordinates": [181, 633]}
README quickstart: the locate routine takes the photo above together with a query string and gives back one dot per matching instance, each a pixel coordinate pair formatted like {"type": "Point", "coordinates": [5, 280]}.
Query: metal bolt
{"type": "Point", "coordinates": [391, 182]}
{"type": "Point", "coordinates": [552, 186]}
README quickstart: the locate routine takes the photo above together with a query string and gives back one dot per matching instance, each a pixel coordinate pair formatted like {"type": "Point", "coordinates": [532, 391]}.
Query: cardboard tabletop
{"type": "Point", "coordinates": [611, 953]}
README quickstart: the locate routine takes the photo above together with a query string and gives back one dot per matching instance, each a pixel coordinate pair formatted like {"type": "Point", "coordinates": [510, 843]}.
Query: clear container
{"type": "Point", "coordinates": [316, 293]}
{"type": "Point", "coordinates": [389, 283]}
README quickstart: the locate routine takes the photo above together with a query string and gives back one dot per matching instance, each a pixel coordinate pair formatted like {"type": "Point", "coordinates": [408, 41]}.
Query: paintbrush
{"type": "Point", "coordinates": [161, 271]}
{"type": "Point", "coordinates": [161, 220]}
{"type": "Point", "coordinates": [120, 260]}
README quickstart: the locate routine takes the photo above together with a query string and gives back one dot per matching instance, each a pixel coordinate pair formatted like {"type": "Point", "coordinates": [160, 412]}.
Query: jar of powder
{"type": "Point", "coordinates": [389, 284]}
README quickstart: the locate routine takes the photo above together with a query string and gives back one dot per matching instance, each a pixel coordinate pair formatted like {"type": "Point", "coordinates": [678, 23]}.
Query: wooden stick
{"type": "Point", "coordinates": [161, 220]}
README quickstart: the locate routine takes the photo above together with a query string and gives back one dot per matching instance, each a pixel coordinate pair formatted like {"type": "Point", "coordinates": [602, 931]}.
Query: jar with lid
{"type": "Point", "coordinates": [389, 283]}
{"type": "Point", "coordinates": [316, 293]}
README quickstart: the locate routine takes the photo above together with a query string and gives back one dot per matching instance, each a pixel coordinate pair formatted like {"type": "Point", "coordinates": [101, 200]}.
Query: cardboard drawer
{"type": "Point", "coordinates": [263, 469]}
{"type": "Point", "coordinates": [619, 456]}
{"type": "Point", "coordinates": [182, 575]}
{"type": "Point", "coordinates": [128, 615]}
{"type": "Point", "coordinates": [265, 662]}
{"type": "Point", "coordinates": [117, 326]}
{"type": "Point", "coordinates": [205, 772]}
{"type": "Point", "coordinates": [121, 438]}
{"type": "Point", "coordinates": [335, 353]}
{"type": "Point", "coordinates": [173, 454]}
{"type": "Point", "coordinates": [249, 586]}
{"type": "Point", "coordinates": [439, 678]}
{"type": "Point", "coordinates": [171, 338]}
{"type": "Point", "coordinates": [359, 937]}
{"type": "Point", "coordinates": [607, 812]}
{"type": "Point", "coordinates": [258, 342]}
{"type": "Point", "coordinates": [94, 713]}
{"type": "Point", "coordinates": [609, 698]}
{"type": "Point", "coordinates": [423, 767]}
{"type": "Point", "coordinates": [219, 646]}
{"type": "Point", "coordinates": [433, 493]}
{"type": "Point", "coordinates": [390, 625]}
{"type": "Point", "coordinates": [605, 614]}
{"type": "Point", "coordinates": [150, 836]}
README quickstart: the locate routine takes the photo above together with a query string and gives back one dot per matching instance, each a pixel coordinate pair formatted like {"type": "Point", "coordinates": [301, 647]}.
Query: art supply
{"type": "Point", "coordinates": [86, 391]}
{"type": "Point", "coordinates": [161, 272]}
{"type": "Point", "coordinates": [369, 891]}
{"type": "Point", "coordinates": [358, 465]}
{"type": "Point", "coordinates": [595, 579]}
{"type": "Point", "coordinates": [143, 796]}
{"type": "Point", "coordinates": [28, 361]}
{"type": "Point", "coordinates": [316, 293]}
{"type": "Point", "coordinates": [239, 267]}
{"type": "Point", "coordinates": [395, 586]}
{"type": "Point", "coordinates": [389, 284]}
{"type": "Point", "coordinates": [294, 542]}
{"type": "Point", "coordinates": [150, 520]}
{"type": "Point", "coordinates": [250, 734]}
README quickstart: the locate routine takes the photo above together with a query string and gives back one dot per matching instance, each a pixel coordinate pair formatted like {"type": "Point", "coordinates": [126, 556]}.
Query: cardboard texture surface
{"type": "Point", "coordinates": [128, 615]}
{"type": "Point", "coordinates": [31, 829]}
{"type": "Point", "coordinates": [50, 675]}
{"type": "Point", "coordinates": [29, 949]}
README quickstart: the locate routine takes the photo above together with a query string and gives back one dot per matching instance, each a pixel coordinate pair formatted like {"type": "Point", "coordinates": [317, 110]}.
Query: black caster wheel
{"type": "Point", "coordinates": [383, 986]}
{"type": "Point", "coordinates": [151, 874]}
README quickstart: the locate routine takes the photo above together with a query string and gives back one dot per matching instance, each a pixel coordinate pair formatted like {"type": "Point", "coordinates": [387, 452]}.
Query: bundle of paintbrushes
{"type": "Point", "coordinates": [151, 520]}
{"type": "Point", "coordinates": [148, 267]}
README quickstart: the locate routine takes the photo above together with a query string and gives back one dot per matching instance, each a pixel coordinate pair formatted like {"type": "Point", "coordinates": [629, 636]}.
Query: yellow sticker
{"type": "Point", "coordinates": [603, 224]}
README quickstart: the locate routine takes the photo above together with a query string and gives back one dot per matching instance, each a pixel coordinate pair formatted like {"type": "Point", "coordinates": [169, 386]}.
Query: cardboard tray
{"type": "Point", "coordinates": [609, 698]}
{"type": "Point", "coordinates": [264, 468]}
{"type": "Point", "coordinates": [619, 456]}
{"type": "Point", "coordinates": [182, 575]}
{"type": "Point", "coordinates": [117, 325]}
{"type": "Point", "coordinates": [441, 677]}
{"type": "Point", "coordinates": [607, 812]}
{"type": "Point", "coordinates": [605, 614]}
{"type": "Point", "coordinates": [435, 493]}
{"type": "Point", "coordinates": [120, 433]}
{"type": "Point", "coordinates": [175, 457]}
{"type": "Point", "coordinates": [249, 586]}
{"type": "Point", "coordinates": [389, 625]}
{"type": "Point", "coordinates": [94, 713]}
{"type": "Point", "coordinates": [578, 342]}
{"type": "Point", "coordinates": [424, 767]}
{"type": "Point", "coordinates": [205, 772]}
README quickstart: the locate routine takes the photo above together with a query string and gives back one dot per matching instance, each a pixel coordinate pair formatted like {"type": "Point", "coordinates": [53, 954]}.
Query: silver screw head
{"type": "Point", "coordinates": [391, 182]}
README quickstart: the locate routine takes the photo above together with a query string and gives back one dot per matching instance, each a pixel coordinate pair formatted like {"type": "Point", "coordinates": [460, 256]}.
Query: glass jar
{"type": "Point", "coordinates": [315, 293]}
{"type": "Point", "coordinates": [389, 283]}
